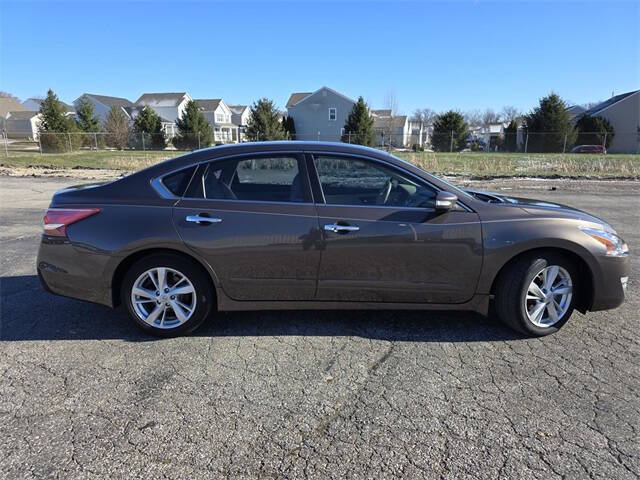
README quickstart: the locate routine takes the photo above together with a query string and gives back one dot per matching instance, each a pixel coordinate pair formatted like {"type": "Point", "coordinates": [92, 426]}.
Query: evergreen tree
{"type": "Point", "coordinates": [511, 137]}
{"type": "Point", "coordinates": [445, 123]}
{"type": "Point", "coordinates": [358, 128]}
{"type": "Point", "coordinates": [86, 119]}
{"type": "Point", "coordinates": [289, 127]}
{"type": "Point", "coordinates": [548, 125]}
{"type": "Point", "coordinates": [118, 128]}
{"type": "Point", "coordinates": [593, 131]}
{"type": "Point", "coordinates": [148, 123]}
{"type": "Point", "coordinates": [56, 127]}
{"type": "Point", "coordinates": [193, 129]}
{"type": "Point", "coordinates": [264, 122]}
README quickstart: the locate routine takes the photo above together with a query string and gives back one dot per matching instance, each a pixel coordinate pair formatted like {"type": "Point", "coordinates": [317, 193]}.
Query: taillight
{"type": "Point", "coordinates": [56, 220]}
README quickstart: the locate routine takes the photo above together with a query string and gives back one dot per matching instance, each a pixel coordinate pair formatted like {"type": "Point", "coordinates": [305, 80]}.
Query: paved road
{"type": "Point", "coordinates": [308, 394]}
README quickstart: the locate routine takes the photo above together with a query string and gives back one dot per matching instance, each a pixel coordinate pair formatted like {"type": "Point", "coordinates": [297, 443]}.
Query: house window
{"type": "Point", "coordinates": [333, 114]}
{"type": "Point", "coordinates": [219, 118]}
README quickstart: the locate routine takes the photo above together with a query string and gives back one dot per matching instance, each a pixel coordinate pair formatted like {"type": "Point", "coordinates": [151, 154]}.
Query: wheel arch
{"type": "Point", "coordinates": [126, 263]}
{"type": "Point", "coordinates": [585, 281]}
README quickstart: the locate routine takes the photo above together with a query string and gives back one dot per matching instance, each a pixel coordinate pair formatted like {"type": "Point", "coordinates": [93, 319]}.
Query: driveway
{"type": "Point", "coordinates": [312, 394]}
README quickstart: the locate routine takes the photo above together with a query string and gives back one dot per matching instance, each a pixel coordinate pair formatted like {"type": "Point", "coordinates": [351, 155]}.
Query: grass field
{"type": "Point", "coordinates": [484, 165]}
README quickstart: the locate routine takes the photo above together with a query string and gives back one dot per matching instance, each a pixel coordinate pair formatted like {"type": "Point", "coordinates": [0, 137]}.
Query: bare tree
{"type": "Point", "coordinates": [391, 104]}
{"type": "Point", "coordinates": [424, 115]}
{"type": "Point", "coordinates": [473, 118]}
{"type": "Point", "coordinates": [490, 117]}
{"type": "Point", "coordinates": [511, 113]}
{"type": "Point", "coordinates": [8, 95]}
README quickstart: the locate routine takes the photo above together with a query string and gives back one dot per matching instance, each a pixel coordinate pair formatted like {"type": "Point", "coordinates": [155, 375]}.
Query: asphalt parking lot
{"type": "Point", "coordinates": [312, 394]}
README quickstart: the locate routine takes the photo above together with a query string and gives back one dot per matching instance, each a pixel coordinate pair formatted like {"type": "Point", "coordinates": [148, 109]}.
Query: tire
{"type": "Point", "coordinates": [193, 295]}
{"type": "Point", "coordinates": [516, 305]}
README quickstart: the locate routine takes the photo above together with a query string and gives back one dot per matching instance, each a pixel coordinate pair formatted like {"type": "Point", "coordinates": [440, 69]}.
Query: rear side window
{"type": "Point", "coordinates": [177, 182]}
{"type": "Point", "coordinates": [267, 179]}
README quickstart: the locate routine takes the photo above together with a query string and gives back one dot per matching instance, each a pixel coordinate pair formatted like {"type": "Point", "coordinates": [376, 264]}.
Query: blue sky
{"type": "Point", "coordinates": [461, 55]}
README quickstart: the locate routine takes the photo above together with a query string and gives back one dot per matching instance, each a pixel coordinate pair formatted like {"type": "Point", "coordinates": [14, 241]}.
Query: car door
{"type": "Point", "coordinates": [383, 240]}
{"type": "Point", "coordinates": [252, 218]}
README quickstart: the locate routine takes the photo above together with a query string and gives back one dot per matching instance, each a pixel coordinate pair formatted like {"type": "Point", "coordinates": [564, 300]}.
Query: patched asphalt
{"type": "Point", "coordinates": [307, 394]}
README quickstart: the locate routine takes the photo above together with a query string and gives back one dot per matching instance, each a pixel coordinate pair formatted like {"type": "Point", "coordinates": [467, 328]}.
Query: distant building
{"type": "Point", "coordinates": [240, 116]}
{"type": "Point", "coordinates": [168, 106]}
{"type": "Point", "coordinates": [623, 113]}
{"type": "Point", "coordinates": [23, 124]}
{"type": "Point", "coordinates": [33, 104]}
{"type": "Point", "coordinates": [102, 104]}
{"type": "Point", "coordinates": [218, 114]}
{"type": "Point", "coordinates": [396, 130]}
{"type": "Point", "coordinates": [319, 115]}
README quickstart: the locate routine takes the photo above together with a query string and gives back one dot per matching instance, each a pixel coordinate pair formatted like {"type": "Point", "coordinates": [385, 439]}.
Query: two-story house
{"type": "Point", "coordinates": [319, 115]}
{"type": "Point", "coordinates": [219, 115]}
{"type": "Point", "coordinates": [168, 106]}
{"type": "Point", "coordinates": [240, 116]}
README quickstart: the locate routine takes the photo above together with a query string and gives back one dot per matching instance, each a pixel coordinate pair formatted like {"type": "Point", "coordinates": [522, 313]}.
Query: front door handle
{"type": "Point", "coordinates": [335, 228]}
{"type": "Point", "coordinates": [200, 219]}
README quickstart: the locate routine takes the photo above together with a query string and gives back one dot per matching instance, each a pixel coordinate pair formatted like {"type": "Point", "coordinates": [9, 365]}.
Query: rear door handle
{"type": "Point", "coordinates": [335, 228]}
{"type": "Point", "coordinates": [200, 219]}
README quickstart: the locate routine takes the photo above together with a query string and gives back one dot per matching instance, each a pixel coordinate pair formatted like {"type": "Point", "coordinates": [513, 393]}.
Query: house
{"type": "Point", "coordinates": [219, 115]}
{"type": "Point", "coordinates": [8, 104]}
{"type": "Point", "coordinates": [168, 106]}
{"type": "Point", "coordinates": [240, 116]}
{"type": "Point", "coordinates": [575, 112]}
{"type": "Point", "coordinates": [319, 115]}
{"type": "Point", "coordinates": [394, 130]}
{"type": "Point", "coordinates": [23, 124]}
{"type": "Point", "coordinates": [33, 104]}
{"type": "Point", "coordinates": [102, 104]}
{"type": "Point", "coordinates": [623, 113]}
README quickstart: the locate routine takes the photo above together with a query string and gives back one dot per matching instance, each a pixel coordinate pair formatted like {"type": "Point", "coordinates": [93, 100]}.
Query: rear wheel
{"type": "Point", "coordinates": [167, 295]}
{"type": "Point", "coordinates": [536, 294]}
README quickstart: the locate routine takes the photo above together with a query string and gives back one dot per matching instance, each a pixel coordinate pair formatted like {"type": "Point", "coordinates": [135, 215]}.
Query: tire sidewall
{"type": "Point", "coordinates": [538, 263]}
{"type": "Point", "coordinates": [201, 284]}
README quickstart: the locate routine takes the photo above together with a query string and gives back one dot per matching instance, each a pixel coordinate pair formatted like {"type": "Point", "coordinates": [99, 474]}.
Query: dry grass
{"type": "Point", "coordinates": [486, 165]}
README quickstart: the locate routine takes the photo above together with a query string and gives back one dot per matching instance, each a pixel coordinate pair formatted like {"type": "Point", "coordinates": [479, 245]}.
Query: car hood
{"type": "Point", "coordinates": [539, 207]}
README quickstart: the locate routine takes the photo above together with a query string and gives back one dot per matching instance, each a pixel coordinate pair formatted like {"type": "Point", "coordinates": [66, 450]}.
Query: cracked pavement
{"type": "Point", "coordinates": [310, 394]}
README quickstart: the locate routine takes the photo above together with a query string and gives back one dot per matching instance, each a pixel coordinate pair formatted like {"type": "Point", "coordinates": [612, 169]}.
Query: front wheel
{"type": "Point", "coordinates": [536, 294]}
{"type": "Point", "coordinates": [167, 295]}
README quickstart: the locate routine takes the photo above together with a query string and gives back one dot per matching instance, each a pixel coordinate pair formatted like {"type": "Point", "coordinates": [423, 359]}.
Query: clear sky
{"type": "Point", "coordinates": [461, 55]}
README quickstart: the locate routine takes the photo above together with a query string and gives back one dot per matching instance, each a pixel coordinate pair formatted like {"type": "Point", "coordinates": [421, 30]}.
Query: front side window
{"type": "Point", "coordinates": [273, 179]}
{"type": "Point", "coordinates": [350, 181]}
{"type": "Point", "coordinates": [333, 113]}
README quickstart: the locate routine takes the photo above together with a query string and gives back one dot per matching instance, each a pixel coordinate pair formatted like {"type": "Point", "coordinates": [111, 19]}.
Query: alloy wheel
{"type": "Point", "coordinates": [163, 297]}
{"type": "Point", "coordinates": [549, 296]}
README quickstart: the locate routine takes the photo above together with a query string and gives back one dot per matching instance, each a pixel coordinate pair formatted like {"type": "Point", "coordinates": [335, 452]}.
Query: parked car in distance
{"type": "Point", "coordinates": [310, 225]}
{"type": "Point", "coordinates": [588, 149]}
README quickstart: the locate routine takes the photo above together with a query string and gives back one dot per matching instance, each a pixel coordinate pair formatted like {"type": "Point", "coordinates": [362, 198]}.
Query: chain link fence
{"type": "Point", "coordinates": [508, 142]}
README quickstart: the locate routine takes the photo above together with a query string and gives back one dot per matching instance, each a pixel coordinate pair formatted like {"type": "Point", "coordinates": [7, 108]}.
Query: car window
{"type": "Point", "coordinates": [273, 179]}
{"type": "Point", "coordinates": [177, 182]}
{"type": "Point", "coordinates": [350, 181]}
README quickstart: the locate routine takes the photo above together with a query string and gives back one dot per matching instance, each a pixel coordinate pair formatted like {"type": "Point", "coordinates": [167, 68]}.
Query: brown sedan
{"type": "Point", "coordinates": [309, 225]}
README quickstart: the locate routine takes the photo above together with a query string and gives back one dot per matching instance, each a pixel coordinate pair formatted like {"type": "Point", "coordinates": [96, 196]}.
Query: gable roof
{"type": "Point", "coordinates": [381, 113]}
{"type": "Point", "coordinates": [296, 97]}
{"type": "Point", "coordinates": [301, 97]}
{"type": "Point", "coordinates": [22, 114]}
{"type": "Point", "coordinates": [607, 103]}
{"type": "Point", "coordinates": [67, 107]}
{"type": "Point", "coordinates": [161, 99]}
{"type": "Point", "coordinates": [109, 101]}
{"type": "Point", "coordinates": [208, 105]}
{"type": "Point", "coordinates": [8, 104]}
{"type": "Point", "coordinates": [238, 109]}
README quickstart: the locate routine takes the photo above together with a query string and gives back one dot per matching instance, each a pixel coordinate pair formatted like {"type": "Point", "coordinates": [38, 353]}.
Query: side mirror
{"type": "Point", "coordinates": [445, 201]}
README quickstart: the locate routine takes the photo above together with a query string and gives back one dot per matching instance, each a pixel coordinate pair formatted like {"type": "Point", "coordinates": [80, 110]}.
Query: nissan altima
{"type": "Point", "coordinates": [310, 225]}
